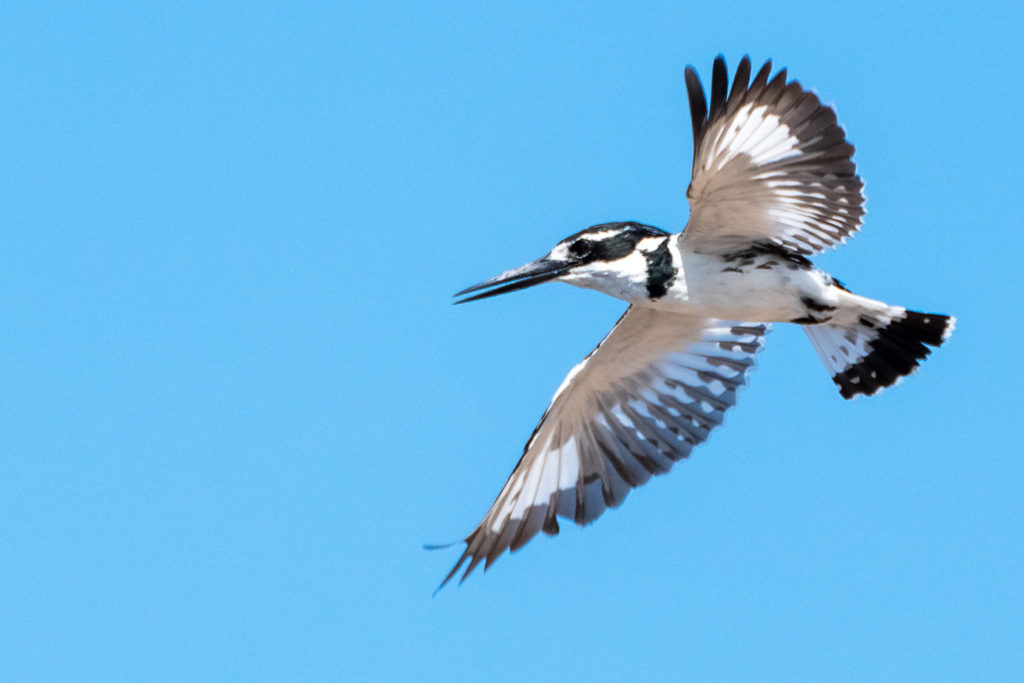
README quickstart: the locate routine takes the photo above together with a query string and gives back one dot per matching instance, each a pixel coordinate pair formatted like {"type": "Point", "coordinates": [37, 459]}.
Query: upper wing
{"type": "Point", "coordinates": [650, 392]}
{"type": "Point", "coordinates": [770, 163]}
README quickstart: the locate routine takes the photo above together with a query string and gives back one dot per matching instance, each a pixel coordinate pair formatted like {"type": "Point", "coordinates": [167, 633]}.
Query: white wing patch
{"type": "Point", "coordinates": [652, 390]}
{"type": "Point", "coordinates": [756, 133]}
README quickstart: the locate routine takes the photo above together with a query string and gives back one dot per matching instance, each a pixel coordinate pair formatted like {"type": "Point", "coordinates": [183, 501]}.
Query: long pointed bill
{"type": "Point", "coordinates": [531, 274]}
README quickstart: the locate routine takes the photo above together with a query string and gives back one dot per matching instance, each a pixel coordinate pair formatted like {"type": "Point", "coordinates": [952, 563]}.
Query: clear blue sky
{"type": "Point", "coordinates": [235, 399]}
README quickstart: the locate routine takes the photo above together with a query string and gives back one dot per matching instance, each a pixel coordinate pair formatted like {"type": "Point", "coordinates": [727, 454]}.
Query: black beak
{"type": "Point", "coordinates": [534, 273]}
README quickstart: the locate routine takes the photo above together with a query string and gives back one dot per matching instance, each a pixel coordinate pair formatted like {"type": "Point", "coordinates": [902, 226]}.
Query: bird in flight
{"type": "Point", "coordinates": [773, 182]}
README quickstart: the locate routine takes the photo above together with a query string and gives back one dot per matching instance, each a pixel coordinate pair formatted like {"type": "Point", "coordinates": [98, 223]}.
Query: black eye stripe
{"type": "Point", "coordinates": [615, 247]}
{"type": "Point", "coordinates": [609, 247]}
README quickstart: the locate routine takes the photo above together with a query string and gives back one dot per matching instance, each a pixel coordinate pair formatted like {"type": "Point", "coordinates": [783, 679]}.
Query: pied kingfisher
{"type": "Point", "coordinates": [773, 182]}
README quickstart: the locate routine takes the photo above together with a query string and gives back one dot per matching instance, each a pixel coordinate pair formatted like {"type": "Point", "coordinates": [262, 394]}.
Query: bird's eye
{"type": "Point", "coordinates": [579, 248]}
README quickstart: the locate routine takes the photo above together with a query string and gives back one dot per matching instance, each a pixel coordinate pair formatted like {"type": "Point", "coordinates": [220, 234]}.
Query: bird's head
{"type": "Point", "coordinates": [610, 257]}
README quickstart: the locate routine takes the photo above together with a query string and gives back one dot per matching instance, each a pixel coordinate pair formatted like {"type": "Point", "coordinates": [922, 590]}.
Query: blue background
{"type": "Point", "coordinates": [235, 399]}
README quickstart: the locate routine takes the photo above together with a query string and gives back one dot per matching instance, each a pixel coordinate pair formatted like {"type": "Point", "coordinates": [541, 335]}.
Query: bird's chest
{"type": "Point", "coordinates": [752, 286]}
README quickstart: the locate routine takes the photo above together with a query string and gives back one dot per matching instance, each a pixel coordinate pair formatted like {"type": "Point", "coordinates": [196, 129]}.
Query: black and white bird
{"type": "Point", "coordinates": [773, 182]}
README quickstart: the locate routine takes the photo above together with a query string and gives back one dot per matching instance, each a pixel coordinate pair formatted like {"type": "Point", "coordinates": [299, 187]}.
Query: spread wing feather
{"type": "Point", "coordinates": [770, 164]}
{"type": "Point", "coordinates": [651, 391]}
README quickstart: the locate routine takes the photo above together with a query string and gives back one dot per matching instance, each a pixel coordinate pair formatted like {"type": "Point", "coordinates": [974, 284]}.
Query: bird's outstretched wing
{"type": "Point", "coordinates": [770, 163]}
{"type": "Point", "coordinates": [651, 391]}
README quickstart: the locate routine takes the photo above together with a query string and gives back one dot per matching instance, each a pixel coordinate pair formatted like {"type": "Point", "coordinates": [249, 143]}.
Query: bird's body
{"type": "Point", "coordinates": [773, 182]}
{"type": "Point", "coordinates": [757, 284]}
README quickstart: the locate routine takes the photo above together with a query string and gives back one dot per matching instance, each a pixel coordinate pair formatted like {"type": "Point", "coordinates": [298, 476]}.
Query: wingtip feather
{"type": "Point", "coordinates": [698, 103]}
{"type": "Point", "coordinates": [719, 87]}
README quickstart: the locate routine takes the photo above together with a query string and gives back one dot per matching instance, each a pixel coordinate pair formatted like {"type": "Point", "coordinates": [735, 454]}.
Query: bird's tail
{"type": "Point", "coordinates": [878, 347]}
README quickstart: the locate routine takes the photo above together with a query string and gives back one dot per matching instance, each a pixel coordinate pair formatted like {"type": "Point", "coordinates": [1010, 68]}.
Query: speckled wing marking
{"type": "Point", "coordinates": [770, 163]}
{"type": "Point", "coordinates": [651, 391]}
